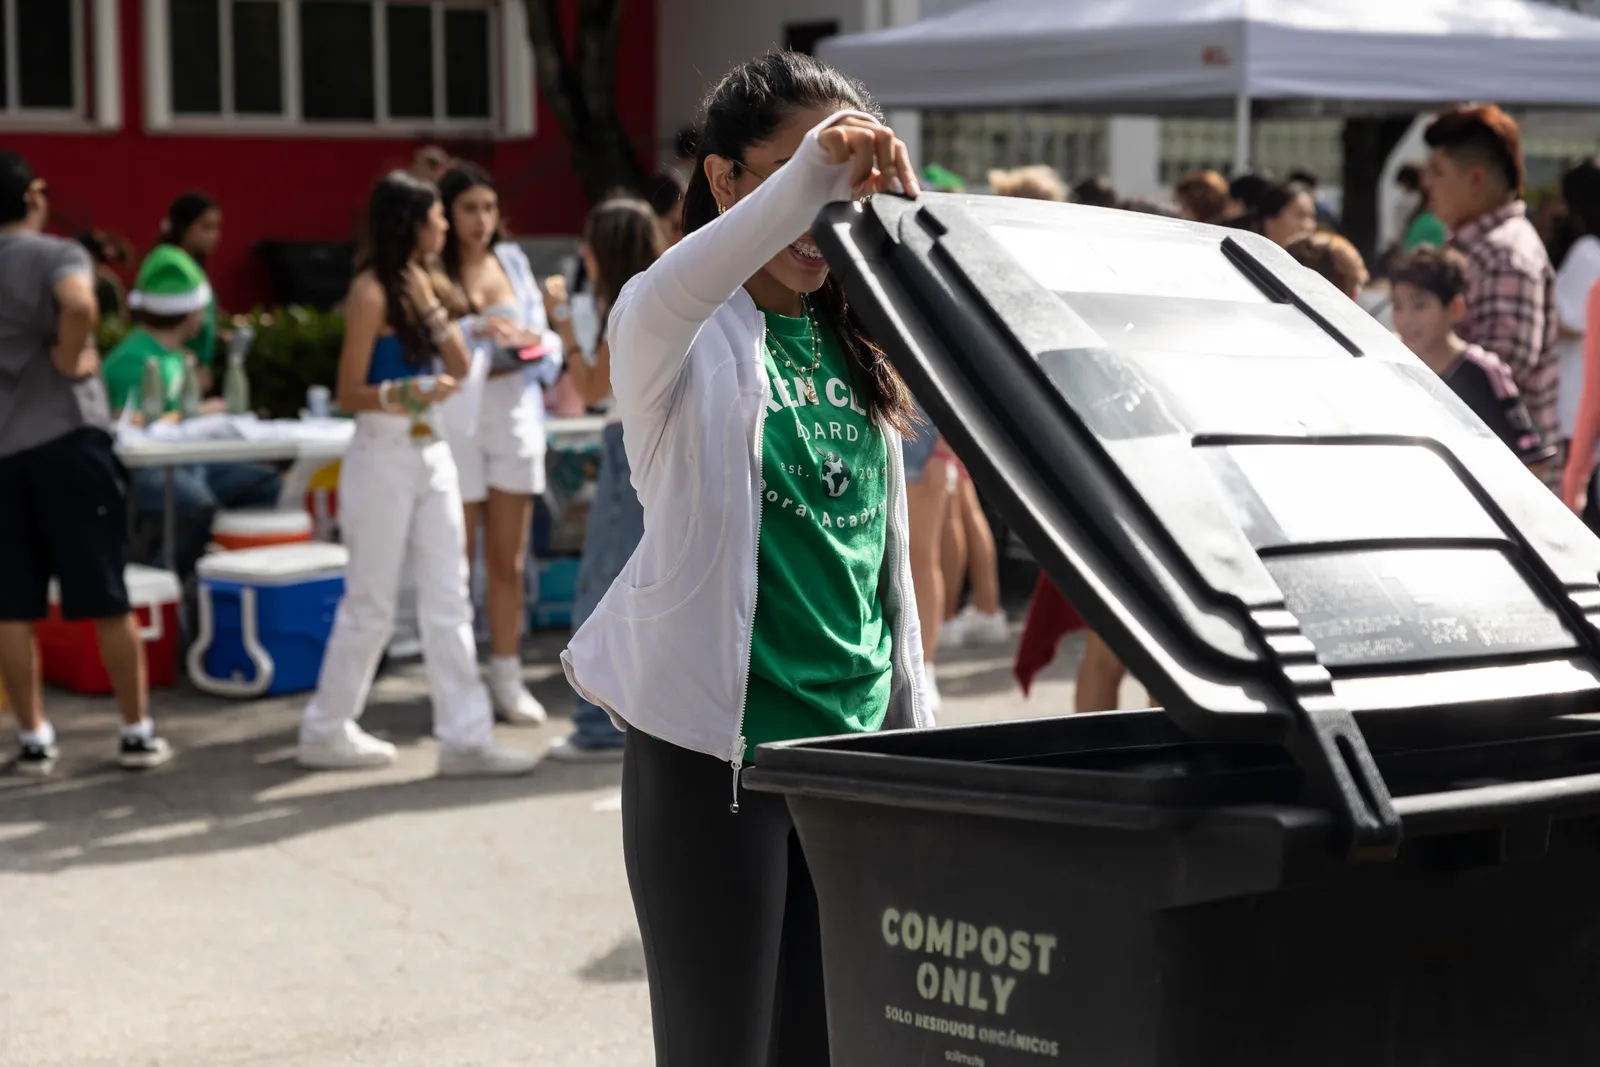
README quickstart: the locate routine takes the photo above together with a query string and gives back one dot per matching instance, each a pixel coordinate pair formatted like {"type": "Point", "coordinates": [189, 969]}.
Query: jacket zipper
{"type": "Point", "coordinates": [736, 757]}
{"type": "Point", "coordinates": [899, 580]}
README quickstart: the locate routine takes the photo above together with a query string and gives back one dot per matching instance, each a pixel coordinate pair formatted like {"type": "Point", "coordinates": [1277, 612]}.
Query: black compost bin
{"type": "Point", "coordinates": [1365, 829]}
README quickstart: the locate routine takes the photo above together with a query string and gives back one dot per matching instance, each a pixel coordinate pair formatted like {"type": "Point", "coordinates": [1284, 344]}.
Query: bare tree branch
{"type": "Point", "coordinates": [581, 90]}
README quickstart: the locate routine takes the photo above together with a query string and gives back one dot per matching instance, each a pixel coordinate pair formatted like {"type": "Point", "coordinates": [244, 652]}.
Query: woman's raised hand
{"type": "Point", "coordinates": [878, 159]}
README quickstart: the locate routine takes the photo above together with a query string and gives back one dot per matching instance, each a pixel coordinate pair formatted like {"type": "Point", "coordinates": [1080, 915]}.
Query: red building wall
{"type": "Point", "coordinates": [304, 188]}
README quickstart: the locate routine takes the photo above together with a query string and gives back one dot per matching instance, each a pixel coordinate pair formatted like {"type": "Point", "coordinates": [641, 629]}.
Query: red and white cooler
{"type": "Point", "coordinates": [69, 652]}
{"type": "Point", "coordinates": [236, 530]}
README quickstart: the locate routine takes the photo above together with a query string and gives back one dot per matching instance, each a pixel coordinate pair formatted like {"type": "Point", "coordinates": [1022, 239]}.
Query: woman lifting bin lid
{"type": "Point", "coordinates": [770, 597]}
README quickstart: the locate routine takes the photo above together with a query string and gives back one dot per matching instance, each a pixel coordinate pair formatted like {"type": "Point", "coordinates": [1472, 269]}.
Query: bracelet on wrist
{"type": "Point", "coordinates": [383, 394]}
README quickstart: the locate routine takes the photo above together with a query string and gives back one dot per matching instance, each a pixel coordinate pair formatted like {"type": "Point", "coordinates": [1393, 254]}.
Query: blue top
{"type": "Point", "coordinates": [389, 362]}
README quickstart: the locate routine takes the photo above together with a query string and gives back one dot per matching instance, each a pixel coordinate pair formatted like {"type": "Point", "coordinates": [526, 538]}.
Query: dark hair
{"type": "Point", "coordinates": [1277, 196]}
{"type": "Point", "coordinates": [1247, 188]}
{"type": "Point", "coordinates": [151, 321]}
{"type": "Point", "coordinates": [745, 109]}
{"type": "Point", "coordinates": [1333, 257]}
{"type": "Point", "coordinates": [623, 236]}
{"type": "Point", "coordinates": [1481, 134]}
{"type": "Point", "coordinates": [1204, 193]}
{"type": "Point", "coordinates": [1096, 192]}
{"type": "Point", "coordinates": [461, 177]}
{"type": "Point", "coordinates": [663, 191]}
{"type": "Point", "coordinates": [183, 213]}
{"type": "Point", "coordinates": [397, 209]}
{"type": "Point", "coordinates": [16, 178]}
{"type": "Point", "coordinates": [1409, 177]}
{"type": "Point", "coordinates": [1305, 176]}
{"type": "Point", "coordinates": [1580, 189]}
{"type": "Point", "coordinates": [687, 142]}
{"type": "Point", "coordinates": [1441, 272]}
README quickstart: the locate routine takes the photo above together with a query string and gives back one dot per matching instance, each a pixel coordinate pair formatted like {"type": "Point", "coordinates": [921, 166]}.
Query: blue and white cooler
{"type": "Point", "coordinates": [264, 618]}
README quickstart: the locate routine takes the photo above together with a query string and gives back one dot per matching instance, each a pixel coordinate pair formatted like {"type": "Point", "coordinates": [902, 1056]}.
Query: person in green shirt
{"type": "Point", "coordinates": [169, 303]}
{"type": "Point", "coordinates": [770, 596]}
{"type": "Point", "coordinates": [194, 224]}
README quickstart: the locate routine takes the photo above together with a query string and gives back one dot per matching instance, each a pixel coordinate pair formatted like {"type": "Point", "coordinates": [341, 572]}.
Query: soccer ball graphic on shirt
{"type": "Point", "coordinates": [835, 475]}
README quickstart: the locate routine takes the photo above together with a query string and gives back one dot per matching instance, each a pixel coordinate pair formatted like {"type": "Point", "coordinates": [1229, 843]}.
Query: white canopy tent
{"type": "Point", "coordinates": [1207, 56]}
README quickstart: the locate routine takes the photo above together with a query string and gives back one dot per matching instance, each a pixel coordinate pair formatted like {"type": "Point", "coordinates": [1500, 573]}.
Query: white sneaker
{"type": "Point", "coordinates": [982, 628]}
{"type": "Point", "coordinates": [952, 633]}
{"type": "Point", "coordinates": [512, 701]}
{"type": "Point", "coordinates": [490, 761]}
{"type": "Point", "coordinates": [351, 750]}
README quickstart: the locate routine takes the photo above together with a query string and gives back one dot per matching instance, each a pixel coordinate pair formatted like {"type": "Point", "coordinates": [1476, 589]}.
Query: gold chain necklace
{"type": "Point", "coordinates": [802, 374]}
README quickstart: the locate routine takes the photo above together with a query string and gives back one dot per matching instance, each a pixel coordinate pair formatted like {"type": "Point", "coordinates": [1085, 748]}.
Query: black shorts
{"type": "Point", "coordinates": [65, 516]}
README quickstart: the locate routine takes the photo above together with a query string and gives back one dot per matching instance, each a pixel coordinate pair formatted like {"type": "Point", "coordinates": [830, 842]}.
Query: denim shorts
{"type": "Point", "coordinates": [918, 447]}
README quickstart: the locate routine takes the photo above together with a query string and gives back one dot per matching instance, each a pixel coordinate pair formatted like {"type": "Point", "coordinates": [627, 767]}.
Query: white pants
{"type": "Point", "coordinates": [507, 450]}
{"type": "Point", "coordinates": [400, 504]}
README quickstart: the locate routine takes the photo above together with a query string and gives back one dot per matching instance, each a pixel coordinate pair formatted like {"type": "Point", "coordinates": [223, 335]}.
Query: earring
{"type": "Point", "coordinates": [721, 208]}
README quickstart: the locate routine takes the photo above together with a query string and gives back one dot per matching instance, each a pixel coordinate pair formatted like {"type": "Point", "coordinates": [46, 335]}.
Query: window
{"type": "Point", "coordinates": [41, 57]}
{"type": "Point", "coordinates": [378, 63]}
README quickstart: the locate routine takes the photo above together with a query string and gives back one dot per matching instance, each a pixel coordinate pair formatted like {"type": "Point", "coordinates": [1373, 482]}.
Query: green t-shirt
{"type": "Point", "coordinates": [205, 342]}
{"type": "Point", "coordinates": [1425, 229]}
{"type": "Point", "coordinates": [820, 653]}
{"type": "Point", "coordinates": [124, 370]}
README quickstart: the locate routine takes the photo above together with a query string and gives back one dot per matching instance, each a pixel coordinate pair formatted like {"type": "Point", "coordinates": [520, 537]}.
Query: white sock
{"type": "Point", "coordinates": [505, 670]}
{"type": "Point", "coordinates": [144, 730]}
{"type": "Point", "coordinates": [44, 735]}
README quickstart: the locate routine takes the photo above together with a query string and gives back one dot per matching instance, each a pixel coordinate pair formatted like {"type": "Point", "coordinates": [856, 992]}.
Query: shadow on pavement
{"type": "Point", "coordinates": [624, 963]}
{"type": "Point", "coordinates": [234, 783]}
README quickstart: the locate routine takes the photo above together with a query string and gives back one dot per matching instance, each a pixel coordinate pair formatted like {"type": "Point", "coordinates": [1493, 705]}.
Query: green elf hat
{"type": "Point", "coordinates": [170, 283]}
{"type": "Point", "coordinates": [941, 180]}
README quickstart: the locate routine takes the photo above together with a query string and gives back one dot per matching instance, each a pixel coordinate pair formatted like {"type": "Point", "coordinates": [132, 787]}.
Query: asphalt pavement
{"type": "Point", "coordinates": [231, 910]}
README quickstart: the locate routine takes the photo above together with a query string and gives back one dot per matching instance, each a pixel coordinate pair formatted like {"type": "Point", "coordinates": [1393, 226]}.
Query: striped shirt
{"type": "Point", "coordinates": [1511, 309]}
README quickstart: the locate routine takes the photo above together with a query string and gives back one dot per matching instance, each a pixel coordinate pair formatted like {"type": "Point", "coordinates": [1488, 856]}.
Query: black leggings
{"type": "Point", "coordinates": [727, 912]}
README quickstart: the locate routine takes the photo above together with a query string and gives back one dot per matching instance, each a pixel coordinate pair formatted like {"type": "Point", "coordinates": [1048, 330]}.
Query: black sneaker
{"type": "Point", "coordinates": [142, 753]}
{"type": "Point", "coordinates": [35, 760]}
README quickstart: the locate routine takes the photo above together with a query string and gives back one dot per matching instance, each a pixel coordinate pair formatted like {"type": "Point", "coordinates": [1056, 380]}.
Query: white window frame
{"type": "Point", "coordinates": [507, 117]}
{"type": "Point", "coordinates": [14, 113]}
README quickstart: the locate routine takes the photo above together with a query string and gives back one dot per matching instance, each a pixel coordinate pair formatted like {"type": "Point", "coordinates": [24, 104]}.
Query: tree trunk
{"type": "Point", "coordinates": [1367, 144]}
{"type": "Point", "coordinates": [581, 90]}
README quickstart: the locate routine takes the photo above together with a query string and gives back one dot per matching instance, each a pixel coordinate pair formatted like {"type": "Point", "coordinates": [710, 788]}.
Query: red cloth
{"type": "Point", "coordinates": [1051, 617]}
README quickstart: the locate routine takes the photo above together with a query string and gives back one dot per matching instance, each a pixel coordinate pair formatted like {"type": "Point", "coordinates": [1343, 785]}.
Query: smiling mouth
{"type": "Point", "coordinates": [806, 251]}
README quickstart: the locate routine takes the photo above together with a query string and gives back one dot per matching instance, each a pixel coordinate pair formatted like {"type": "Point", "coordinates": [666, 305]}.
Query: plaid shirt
{"type": "Point", "coordinates": [1511, 308]}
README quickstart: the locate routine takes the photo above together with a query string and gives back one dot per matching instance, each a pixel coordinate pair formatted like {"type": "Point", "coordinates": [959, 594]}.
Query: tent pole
{"type": "Point", "coordinates": [1241, 134]}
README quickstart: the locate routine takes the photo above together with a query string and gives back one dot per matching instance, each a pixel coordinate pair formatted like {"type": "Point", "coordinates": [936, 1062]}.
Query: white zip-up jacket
{"type": "Point", "coordinates": [668, 649]}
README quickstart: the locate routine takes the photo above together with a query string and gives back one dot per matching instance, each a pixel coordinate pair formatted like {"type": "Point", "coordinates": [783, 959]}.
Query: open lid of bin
{"type": "Point", "coordinates": [1262, 501]}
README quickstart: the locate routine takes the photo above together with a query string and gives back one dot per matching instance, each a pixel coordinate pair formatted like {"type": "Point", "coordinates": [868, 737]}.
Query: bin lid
{"type": "Point", "coordinates": [275, 564]}
{"type": "Point", "coordinates": [1259, 498]}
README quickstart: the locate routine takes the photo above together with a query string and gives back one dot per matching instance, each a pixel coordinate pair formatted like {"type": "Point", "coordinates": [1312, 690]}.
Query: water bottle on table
{"type": "Point", "coordinates": [152, 393]}
{"type": "Point", "coordinates": [236, 384]}
{"type": "Point", "coordinates": [190, 404]}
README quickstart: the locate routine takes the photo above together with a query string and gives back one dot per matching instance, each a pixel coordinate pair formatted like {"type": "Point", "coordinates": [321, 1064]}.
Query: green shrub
{"type": "Point", "coordinates": [294, 349]}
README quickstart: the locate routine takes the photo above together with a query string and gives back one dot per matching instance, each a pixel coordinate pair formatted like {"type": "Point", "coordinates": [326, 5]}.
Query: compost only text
{"type": "Point", "coordinates": [1018, 952]}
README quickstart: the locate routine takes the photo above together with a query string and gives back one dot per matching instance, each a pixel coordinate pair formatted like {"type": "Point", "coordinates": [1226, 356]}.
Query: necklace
{"type": "Point", "coordinates": [802, 374]}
